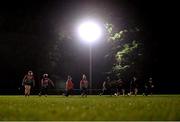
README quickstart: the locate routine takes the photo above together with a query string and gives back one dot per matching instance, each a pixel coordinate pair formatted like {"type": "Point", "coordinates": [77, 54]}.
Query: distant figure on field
{"type": "Point", "coordinates": [149, 87]}
{"type": "Point", "coordinates": [120, 87]}
{"type": "Point", "coordinates": [104, 88]}
{"type": "Point", "coordinates": [134, 86]}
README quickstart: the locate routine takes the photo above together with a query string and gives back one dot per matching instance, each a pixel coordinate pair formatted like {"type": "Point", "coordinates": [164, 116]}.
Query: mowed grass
{"type": "Point", "coordinates": [165, 107]}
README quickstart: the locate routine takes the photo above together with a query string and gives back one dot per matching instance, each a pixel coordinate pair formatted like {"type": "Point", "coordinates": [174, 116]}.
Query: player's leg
{"type": "Point", "coordinates": [71, 92]}
{"type": "Point", "coordinates": [67, 93]}
{"type": "Point", "coordinates": [81, 90]}
{"type": "Point", "coordinates": [25, 90]}
{"type": "Point", "coordinates": [85, 92]}
{"type": "Point", "coordinates": [119, 91]}
{"type": "Point", "coordinates": [40, 92]}
{"type": "Point", "coordinates": [146, 91]}
{"type": "Point", "coordinates": [135, 91]}
{"type": "Point", "coordinates": [46, 91]}
{"type": "Point", "coordinates": [151, 91]}
{"type": "Point", "coordinates": [123, 91]}
{"type": "Point", "coordinates": [29, 89]}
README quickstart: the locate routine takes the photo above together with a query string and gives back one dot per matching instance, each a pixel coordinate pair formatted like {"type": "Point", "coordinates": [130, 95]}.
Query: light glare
{"type": "Point", "coordinates": [89, 31]}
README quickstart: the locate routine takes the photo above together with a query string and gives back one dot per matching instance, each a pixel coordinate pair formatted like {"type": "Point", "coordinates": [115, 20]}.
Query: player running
{"type": "Point", "coordinates": [120, 87]}
{"type": "Point", "coordinates": [134, 86]}
{"type": "Point", "coordinates": [45, 83]}
{"type": "Point", "coordinates": [69, 86]}
{"type": "Point", "coordinates": [149, 87]}
{"type": "Point", "coordinates": [28, 82]}
{"type": "Point", "coordinates": [83, 86]}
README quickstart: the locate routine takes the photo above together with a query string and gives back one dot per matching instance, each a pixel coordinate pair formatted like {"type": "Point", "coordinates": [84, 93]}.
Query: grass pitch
{"type": "Point", "coordinates": [164, 107]}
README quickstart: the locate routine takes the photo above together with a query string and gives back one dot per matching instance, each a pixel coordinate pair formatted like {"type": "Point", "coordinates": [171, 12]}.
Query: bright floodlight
{"type": "Point", "coordinates": [89, 31]}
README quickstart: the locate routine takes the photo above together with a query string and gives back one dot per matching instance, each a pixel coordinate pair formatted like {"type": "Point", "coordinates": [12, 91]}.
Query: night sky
{"type": "Point", "coordinates": [30, 33]}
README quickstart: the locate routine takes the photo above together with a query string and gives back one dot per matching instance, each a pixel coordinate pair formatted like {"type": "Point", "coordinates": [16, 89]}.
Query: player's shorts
{"type": "Point", "coordinates": [29, 82]}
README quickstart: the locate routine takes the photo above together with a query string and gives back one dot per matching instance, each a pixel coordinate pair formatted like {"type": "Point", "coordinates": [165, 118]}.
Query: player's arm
{"type": "Point", "coordinates": [66, 85]}
{"type": "Point", "coordinates": [87, 84]}
{"type": "Point", "coordinates": [24, 79]}
{"type": "Point", "coordinates": [41, 82]}
{"type": "Point", "coordinates": [72, 85]}
{"type": "Point", "coordinates": [33, 82]}
{"type": "Point", "coordinates": [51, 82]}
{"type": "Point", "coordinates": [80, 84]}
{"type": "Point", "coordinates": [104, 84]}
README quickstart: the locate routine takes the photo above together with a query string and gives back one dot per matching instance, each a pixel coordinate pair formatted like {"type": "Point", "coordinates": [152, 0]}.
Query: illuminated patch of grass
{"type": "Point", "coordinates": [90, 108]}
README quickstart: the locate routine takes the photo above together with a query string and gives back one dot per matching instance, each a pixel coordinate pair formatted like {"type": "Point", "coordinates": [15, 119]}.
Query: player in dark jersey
{"type": "Point", "coordinates": [120, 87]}
{"type": "Point", "coordinates": [45, 82]}
{"type": "Point", "coordinates": [134, 86]}
{"type": "Point", "coordinates": [28, 82]}
{"type": "Point", "coordinates": [149, 87]}
{"type": "Point", "coordinates": [104, 88]}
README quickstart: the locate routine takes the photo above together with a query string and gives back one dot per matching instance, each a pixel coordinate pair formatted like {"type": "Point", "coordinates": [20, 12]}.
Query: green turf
{"type": "Point", "coordinates": [90, 108]}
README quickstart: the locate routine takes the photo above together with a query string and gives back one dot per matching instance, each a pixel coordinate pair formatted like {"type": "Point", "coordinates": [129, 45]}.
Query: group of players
{"type": "Point", "coordinates": [108, 87]}
{"type": "Point", "coordinates": [118, 87]}
{"type": "Point", "coordinates": [28, 82]}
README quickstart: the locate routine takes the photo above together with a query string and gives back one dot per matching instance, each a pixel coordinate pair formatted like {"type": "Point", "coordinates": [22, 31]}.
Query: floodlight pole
{"type": "Point", "coordinates": [90, 67]}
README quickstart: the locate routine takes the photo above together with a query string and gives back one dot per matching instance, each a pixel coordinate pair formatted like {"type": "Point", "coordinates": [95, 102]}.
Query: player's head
{"type": "Point", "coordinates": [45, 75]}
{"type": "Point", "coordinates": [30, 72]}
{"type": "Point", "coordinates": [134, 78]}
{"type": "Point", "coordinates": [108, 78]}
{"type": "Point", "coordinates": [84, 77]}
{"type": "Point", "coordinates": [120, 80]}
{"type": "Point", "coordinates": [150, 80]}
{"type": "Point", "coordinates": [69, 77]}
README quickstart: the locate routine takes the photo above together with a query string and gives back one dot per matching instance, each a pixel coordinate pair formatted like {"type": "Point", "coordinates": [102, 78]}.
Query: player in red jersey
{"type": "Point", "coordinates": [45, 82]}
{"type": "Point", "coordinates": [83, 86]}
{"type": "Point", "coordinates": [69, 86]}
